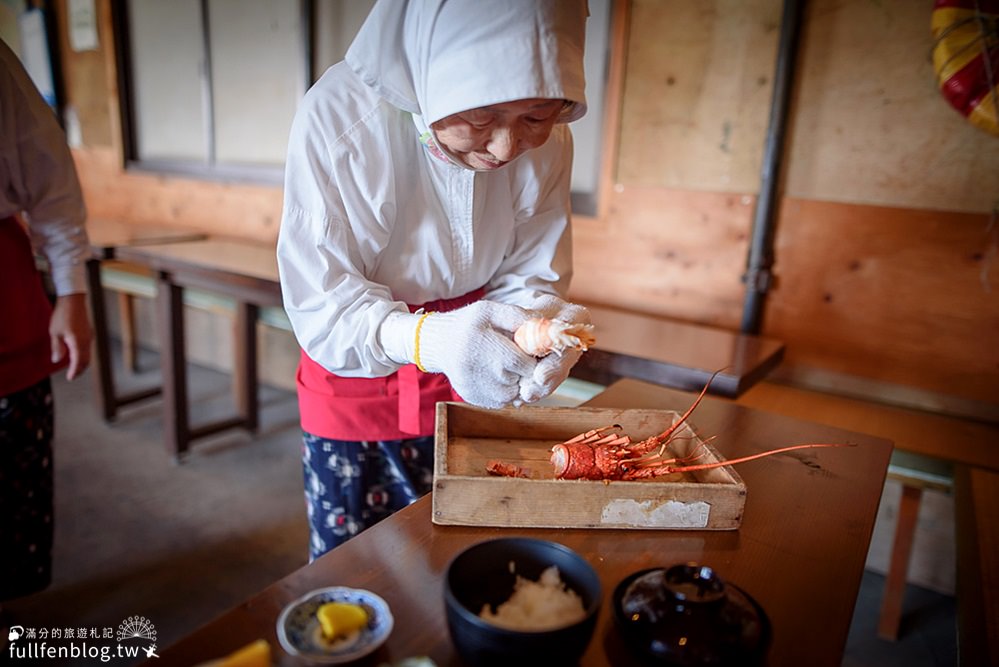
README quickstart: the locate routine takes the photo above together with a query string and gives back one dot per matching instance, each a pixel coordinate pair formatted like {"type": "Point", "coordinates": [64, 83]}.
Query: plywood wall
{"type": "Point", "coordinates": [869, 125]}
{"type": "Point", "coordinates": [697, 93]}
{"type": "Point", "coordinates": [236, 210]}
{"type": "Point", "coordinates": [885, 249]}
{"type": "Point", "coordinates": [90, 87]}
{"type": "Point", "coordinates": [679, 253]}
{"type": "Point", "coordinates": [906, 296]}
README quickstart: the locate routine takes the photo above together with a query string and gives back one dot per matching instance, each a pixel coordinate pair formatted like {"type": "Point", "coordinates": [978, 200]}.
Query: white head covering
{"type": "Point", "coordinates": [435, 58]}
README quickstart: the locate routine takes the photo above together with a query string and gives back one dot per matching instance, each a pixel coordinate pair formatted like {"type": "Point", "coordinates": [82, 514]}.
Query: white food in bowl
{"type": "Point", "coordinates": [539, 605]}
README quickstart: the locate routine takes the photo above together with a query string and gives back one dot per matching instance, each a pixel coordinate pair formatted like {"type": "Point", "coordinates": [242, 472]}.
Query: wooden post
{"type": "Point", "coordinates": [894, 595]}
{"type": "Point", "coordinates": [176, 429]}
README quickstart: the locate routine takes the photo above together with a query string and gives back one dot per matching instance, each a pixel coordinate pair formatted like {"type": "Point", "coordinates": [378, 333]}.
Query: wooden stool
{"type": "Point", "coordinates": [916, 473]}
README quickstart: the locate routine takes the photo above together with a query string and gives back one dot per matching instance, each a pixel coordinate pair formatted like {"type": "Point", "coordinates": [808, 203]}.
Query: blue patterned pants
{"type": "Point", "coordinates": [350, 486]}
{"type": "Point", "coordinates": [26, 423]}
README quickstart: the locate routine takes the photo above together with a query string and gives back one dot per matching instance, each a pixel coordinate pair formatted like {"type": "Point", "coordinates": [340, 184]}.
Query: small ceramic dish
{"type": "Point", "coordinates": [300, 634]}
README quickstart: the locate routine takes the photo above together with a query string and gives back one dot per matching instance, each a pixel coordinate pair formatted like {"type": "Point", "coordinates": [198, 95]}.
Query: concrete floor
{"type": "Point", "coordinates": [140, 536]}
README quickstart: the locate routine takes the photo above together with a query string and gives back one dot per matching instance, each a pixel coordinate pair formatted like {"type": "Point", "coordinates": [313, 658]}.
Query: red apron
{"type": "Point", "coordinates": [25, 353]}
{"type": "Point", "coordinates": [394, 407]}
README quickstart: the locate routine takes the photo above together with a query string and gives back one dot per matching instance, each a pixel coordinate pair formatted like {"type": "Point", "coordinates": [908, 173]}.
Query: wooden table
{"type": "Point", "coordinates": [107, 237]}
{"type": "Point", "coordinates": [675, 354]}
{"type": "Point", "coordinates": [800, 550]}
{"type": "Point", "coordinates": [242, 270]}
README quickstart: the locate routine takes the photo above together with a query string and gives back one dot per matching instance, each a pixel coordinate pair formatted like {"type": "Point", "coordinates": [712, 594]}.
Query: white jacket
{"type": "Point", "coordinates": [373, 221]}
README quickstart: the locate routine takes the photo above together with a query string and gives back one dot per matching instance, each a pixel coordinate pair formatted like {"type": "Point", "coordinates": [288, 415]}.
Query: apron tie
{"type": "Point", "coordinates": [409, 399]}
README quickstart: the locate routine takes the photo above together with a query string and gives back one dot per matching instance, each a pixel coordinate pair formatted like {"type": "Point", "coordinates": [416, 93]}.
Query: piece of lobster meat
{"type": "Point", "coordinates": [503, 469]}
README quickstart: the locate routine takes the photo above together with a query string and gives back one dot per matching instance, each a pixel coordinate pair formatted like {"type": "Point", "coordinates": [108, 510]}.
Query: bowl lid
{"type": "Point", "coordinates": [687, 614]}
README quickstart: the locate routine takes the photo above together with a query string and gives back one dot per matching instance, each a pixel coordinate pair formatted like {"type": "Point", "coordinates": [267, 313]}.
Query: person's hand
{"type": "Point", "coordinates": [70, 333]}
{"type": "Point", "coordinates": [473, 346]}
{"type": "Point", "coordinates": [552, 307]}
{"type": "Point", "coordinates": [553, 369]}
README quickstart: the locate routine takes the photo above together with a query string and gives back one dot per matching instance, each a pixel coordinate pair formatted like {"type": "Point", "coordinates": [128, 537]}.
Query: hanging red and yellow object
{"type": "Point", "coordinates": [966, 58]}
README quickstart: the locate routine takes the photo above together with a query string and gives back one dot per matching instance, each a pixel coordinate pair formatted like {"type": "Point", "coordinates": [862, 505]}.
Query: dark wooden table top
{"type": "Point", "coordinates": [237, 267]}
{"type": "Point", "coordinates": [675, 354]}
{"type": "Point", "coordinates": [800, 550]}
{"type": "Point", "coordinates": [106, 236]}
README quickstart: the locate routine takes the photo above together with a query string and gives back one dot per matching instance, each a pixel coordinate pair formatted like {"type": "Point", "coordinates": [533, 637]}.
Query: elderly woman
{"type": "Point", "coordinates": [426, 216]}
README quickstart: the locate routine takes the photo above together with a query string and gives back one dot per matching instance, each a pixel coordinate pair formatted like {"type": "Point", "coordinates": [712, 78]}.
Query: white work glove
{"type": "Point", "coordinates": [473, 346]}
{"type": "Point", "coordinates": [553, 369]}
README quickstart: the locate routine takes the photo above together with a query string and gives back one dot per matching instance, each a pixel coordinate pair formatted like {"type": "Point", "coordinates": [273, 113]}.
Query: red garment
{"type": "Point", "coordinates": [394, 407]}
{"type": "Point", "coordinates": [25, 351]}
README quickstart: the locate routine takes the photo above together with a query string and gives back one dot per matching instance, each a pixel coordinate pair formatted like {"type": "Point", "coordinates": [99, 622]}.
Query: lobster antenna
{"type": "Point", "coordinates": [668, 432]}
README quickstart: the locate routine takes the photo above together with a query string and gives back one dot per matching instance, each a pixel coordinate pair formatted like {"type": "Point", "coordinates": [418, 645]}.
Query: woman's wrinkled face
{"type": "Point", "coordinates": [489, 137]}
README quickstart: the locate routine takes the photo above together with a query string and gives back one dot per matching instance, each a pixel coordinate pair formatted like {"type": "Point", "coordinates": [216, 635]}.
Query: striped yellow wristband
{"type": "Point", "coordinates": [416, 344]}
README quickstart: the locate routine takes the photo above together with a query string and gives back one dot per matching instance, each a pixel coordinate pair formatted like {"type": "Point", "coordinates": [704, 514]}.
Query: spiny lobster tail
{"type": "Point", "coordinates": [540, 336]}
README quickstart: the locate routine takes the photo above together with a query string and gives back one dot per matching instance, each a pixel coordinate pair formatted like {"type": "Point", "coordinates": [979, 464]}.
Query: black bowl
{"type": "Point", "coordinates": [481, 575]}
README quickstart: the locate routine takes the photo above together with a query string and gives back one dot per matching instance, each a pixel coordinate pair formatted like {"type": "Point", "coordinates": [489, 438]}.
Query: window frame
{"type": "Point", "coordinates": [210, 170]}
{"type": "Point", "coordinates": [585, 203]}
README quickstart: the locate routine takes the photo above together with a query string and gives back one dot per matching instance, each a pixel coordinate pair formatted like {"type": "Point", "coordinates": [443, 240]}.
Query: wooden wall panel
{"type": "Point", "coordinates": [697, 93]}
{"type": "Point", "coordinates": [675, 253]}
{"type": "Point", "coordinates": [86, 81]}
{"type": "Point", "coordinates": [226, 209]}
{"type": "Point", "coordinates": [869, 125]}
{"type": "Point", "coordinates": [906, 297]}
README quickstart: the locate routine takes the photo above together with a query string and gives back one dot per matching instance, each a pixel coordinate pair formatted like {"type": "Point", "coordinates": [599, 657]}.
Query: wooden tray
{"type": "Point", "coordinates": [465, 494]}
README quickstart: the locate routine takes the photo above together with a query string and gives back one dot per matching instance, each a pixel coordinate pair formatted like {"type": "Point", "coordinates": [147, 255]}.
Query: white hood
{"type": "Point", "coordinates": [435, 58]}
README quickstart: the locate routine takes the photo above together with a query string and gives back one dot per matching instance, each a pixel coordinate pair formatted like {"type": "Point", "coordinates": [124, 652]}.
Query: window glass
{"type": "Point", "coordinates": [257, 77]}
{"type": "Point", "coordinates": [167, 58]}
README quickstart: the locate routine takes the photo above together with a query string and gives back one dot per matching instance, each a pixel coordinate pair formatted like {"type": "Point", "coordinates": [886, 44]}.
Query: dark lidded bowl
{"type": "Point", "coordinates": [687, 615]}
{"type": "Point", "coordinates": [482, 574]}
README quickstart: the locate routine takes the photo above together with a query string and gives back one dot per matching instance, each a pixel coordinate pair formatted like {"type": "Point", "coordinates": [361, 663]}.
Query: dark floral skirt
{"type": "Point", "coordinates": [26, 419]}
{"type": "Point", "coordinates": [350, 486]}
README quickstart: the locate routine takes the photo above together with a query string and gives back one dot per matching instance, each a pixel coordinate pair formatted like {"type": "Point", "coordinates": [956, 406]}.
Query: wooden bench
{"type": "Point", "coordinates": [106, 238]}
{"type": "Point", "coordinates": [243, 271]}
{"type": "Point", "coordinates": [928, 448]}
{"type": "Point", "coordinates": [129, 282]}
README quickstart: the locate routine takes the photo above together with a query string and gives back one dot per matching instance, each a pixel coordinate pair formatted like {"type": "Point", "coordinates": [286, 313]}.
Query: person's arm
{"type": "Point", "coordinates": [322, 252]}
{"type": "Point", "coordinates": [42, 181]}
